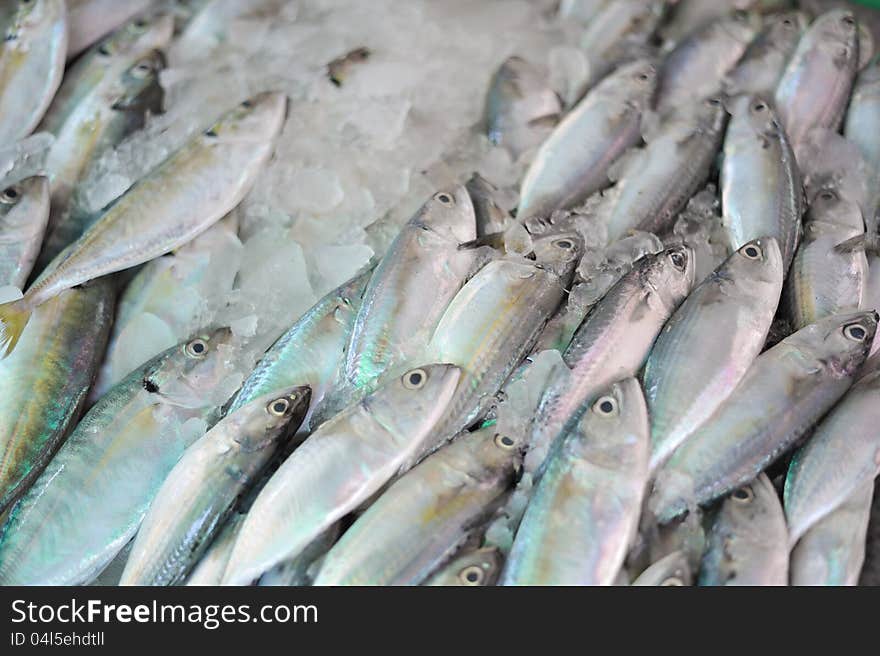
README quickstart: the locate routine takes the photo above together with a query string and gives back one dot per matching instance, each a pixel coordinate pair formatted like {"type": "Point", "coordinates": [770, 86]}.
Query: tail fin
{"type": "Point", "coordinates": [14, 317]}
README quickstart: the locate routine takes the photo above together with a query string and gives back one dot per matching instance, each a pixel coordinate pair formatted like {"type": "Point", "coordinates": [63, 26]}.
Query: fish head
{"type": "Point", "coordinates": [138, 37]}
{"type": "Point", "coordinates": [741, 26]}
{"type": "Point", "coordinates": [837, 32]}
{"type": "Point", "coordinates": [139, 88]}
{"type": "Point", "coordinates": [669, 274]}
{"type": "Point", "coordinates": [559, 253]}
{"type": "Point", "coordinates": [448, 215]}
{"type": "Point", "coordinates": [194, 376]}
{"type": "Point", "coordinates": [481, 567]}
{"type": "Point", "coordinates": [829, 203]}
{"type": "Point", "coordinates": [839, 343]}
{"type": "Point", "coordinates": [753, 117]}
{"type": "Point", "coordinates": [759, 260]}
{"type": "Point", "coordinates": [416, 401]}
{"type": "Point", "coordinates": [28, 196]}
{"type": "Point", "coordinates": [787, 27]}
{"type": "Point", "coordinates": [613, 431]}
{"type": "Point", "coordinates": [633, 83]}
{"type": "Point", "coordinates": [711, 114]}
{"type": "Point", "coordinates": [258, 119]}
{"type": "Point", "coordinates": [35, 14]}
{"type": "Point", "coordinates": [498, 451]}
{"type": "Point", "coordinates": [271, 417]}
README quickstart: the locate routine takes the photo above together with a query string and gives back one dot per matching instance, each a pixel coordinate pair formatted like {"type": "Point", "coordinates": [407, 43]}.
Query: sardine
{"type": "Point", "coordinates": [785, 391]}
{"type": "Point", "coordinates": [24, 213]}
{"type": "Point", "coordinates": [196, 186]}
{"type": "Point", "coordinates": [338, 467]}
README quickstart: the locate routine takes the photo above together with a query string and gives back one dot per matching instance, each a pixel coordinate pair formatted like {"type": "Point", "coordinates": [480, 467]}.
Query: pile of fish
{"type": "Point", "coordinates": [626, 338]}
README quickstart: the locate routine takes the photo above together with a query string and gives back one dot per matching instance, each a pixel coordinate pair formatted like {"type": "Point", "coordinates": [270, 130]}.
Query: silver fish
{"type": "Point", "coordinates": [761, 189]}
{"type": "Point", "coordinates": [521, 108]}
{"type": "Point", "coordinates": [707, 346]}
{"type": "Point", "coordinates": [414, 526]}
{"type": "Point", "coordinates": [748, 542]}
{"type": "Point", "coordinates": [784, 392]}
{"type": "Point", "coordinates": [585, 509]}
{"type": "Point", "coordinates": [90, 499]}
{"type": "Point", "coordinates": [209, 570]}
{"type": "Point", "coordinates": [338, 467]}
{"type": "Point", "coordinates": [573, 162]}
{"type": "Point", "coordinates": [477, 567]}
{"type": "Point", "coordinates": [815, 88]}
{"type": "Point", "coordinates": [32, 56]}
{"type": "Point", "coordinates": [695, 69]}
{"type": "Point", "coordinates": [24, 213]}
{"type": "Point", "coordinates": [654, 183]}
{"type": "Point", "coordinates": [199, 491]}
{"type": "Point", "coordinates": [843, 454]}
{"type": "Point", "coordinates": [832, 550]}
{"type": "Point", "coordinates": [670, 571]}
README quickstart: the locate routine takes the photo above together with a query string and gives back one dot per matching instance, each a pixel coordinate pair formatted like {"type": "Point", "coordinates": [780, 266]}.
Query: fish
{"type": "Point", "coordinates": [474, 567]}
{"type": "Point", "coordinates": [44, 384]}
{"type": "Point", "coordinates": [88, 502]}
{"type": "Point", "coordinates": [210, 567]}
{"type": "Point", "coordinates": [696, 67]}
{"type": "Point", "coordinates": [670, 571]}
{"type": "Point", "coordinates": [688, 16]}
{"type": "Point", "coordinates": [302, 568]}
{"type": "Point", "coordinates": [815, 88]}
{"type": "Point", "coordinates": [169, 299]}
{"type": "Point", "coordinates": [618, 32]}
{"type": "Point", "coordinates": [573, 162]}
{"type": "Point", "coordinates": [200, 490]}
{"type": "Point", "coordinates": [654, 183]}
{"type": "Point", "coordinates": [426, 514]}
{"type": "Point", "coordinates": [338, 467]}
{"type": "Point", "coordinates": [24, 214]}
{"type": "Point", "coordinates": [311, 351]}
{"type": "Point", "coordinates": [748, 541]}
{"type": "Point", "coordinates": [585, 509]}
{"type": "Point", "coordinates": [615, 339]}
{"type": "Point", "coordinates": [212, 172]}
{"type": "Point", "coordinates": [32, 56]}
{"type": "Point", "coordinates": [827, 277]}
{"type": "Point", "coordinates": [863, 115]}
{"type": "Point", "coordinates": [521, 107]}
{"type": "Point", "coordinates": [106, 95]}
{"type": "Point", "coordinates": [90, 20]}
{"type": "Point", "coordinates": [842, 454]}
{"type": "Point", "coordinates": [419, 275]}
{"type": "Point", "coordinates": [707, 346]}
{"type": "Point", "coordinates": [490, 218]}
{"type": "Point", "coordinates": [832, 550]}
{"type": "Point", "coordinates": [494, 321]}
{"type": "Point", "coordinates": [761, 188]}
{"type": "Point", "coordinates": [785, 391]}
{"type": "Point", "coordinates": [762, 65]}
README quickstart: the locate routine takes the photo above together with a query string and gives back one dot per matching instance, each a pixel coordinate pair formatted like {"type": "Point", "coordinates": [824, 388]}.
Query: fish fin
{"type": "Point", "coordinates": [14, 317]}
{"type": "Point", "coordinates": [857, 243]}
{"type": "Point", "coordinates": [495, 240]}
{"type": "Point", "coordinates": [546, 121]}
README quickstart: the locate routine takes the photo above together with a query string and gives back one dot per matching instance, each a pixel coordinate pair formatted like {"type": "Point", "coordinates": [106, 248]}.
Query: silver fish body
{"type": "Point", "coordinates": [32, 57]}
{"type": "Point", "coordinates": [338, 467]}
{"type": "Point", "coordinates": [785, 391]}
{"type": "Point", "coordinates": [707, 346]}
{"type": "Point", "coordinates": [748, 541]}
{"type": "Point", "coordinates": [209, 570]}
{"type": "Point", "coordinates": [815, 88]}
{"type": "Point", "coordinates": [585, 509]}
{"type": "Point", "coordinates": [88, 502]}
{"type": "Point", "coordinates": [832, 550]}
{"type": "Point", "coordinates": [198, 493]}
{"type": "Point", "coordinates": [574, 160]}
{"type": "Point", "coordinates": [842, 455]}
{"type": "Point", "coordinates": [761, 189]}
{"type": "Point", "coordinates": [406, 533]}
{"type": "Point", "coordinates": [24, 214]}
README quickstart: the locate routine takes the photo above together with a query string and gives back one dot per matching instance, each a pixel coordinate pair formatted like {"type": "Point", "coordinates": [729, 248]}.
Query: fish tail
{"type": "Point", "coordinates": [14, 317]}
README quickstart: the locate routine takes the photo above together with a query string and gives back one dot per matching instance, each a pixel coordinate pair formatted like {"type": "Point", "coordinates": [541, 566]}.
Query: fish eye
{"type": "Point", "coordinates": [787, 22]}
{"type": "Point", "coordinates": [848, 20]}
{"type": "Point", "coordinates": [104, 49]}
{"type": "Point", "coordinates": [142, 70]}
{"type": "Point", "coordinates": [415, 379]}
{"type": "Point", "coordinates": [760, 106]}
{"type": "Point", "coordinates": [743, 495]}
{"type": "Point", "coordinates": [605, 406]}
{"type": "Point", "coordinates": [197, 348]}
{"type": "Point", "coordinates": [278, 407]}
{"type": "Point", "coordinates": [855, 332]}
{"type": "Point", "coordinates": [247, 103]}
{"type": "Point", "coordinates": [713, 102]}
{"type": "Point", "coordinates": [644, 77]}
{"type": "Point", "coordinates": [678, 259]}
{"type": "Point", "coordinates": [140, 23]}
{"type": "Point", "coordinates": [211, 132]}
{"type": "Point", "coordinates": [752, 251]}
{"type": "Point", "coordinates": [444, 198]}
{"type": "Point", "coordinates": [471, 575]}
{"type": "Point", "coordinates": [564, 244]}
{"type": "Point", "coordinates": [505, 441]}
{"type": "Point", "coordinates": [827, 195]}
{"type": "Point", "coordinates": [672, 581]}
{"type": "Point", "coordinates": [10, 195]}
